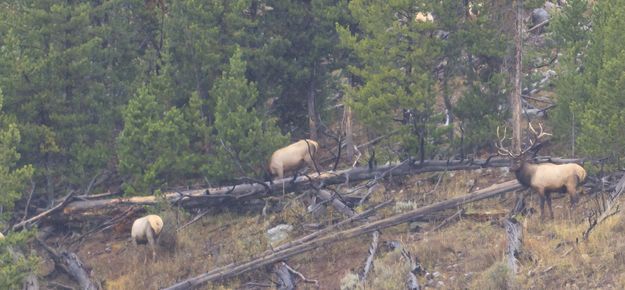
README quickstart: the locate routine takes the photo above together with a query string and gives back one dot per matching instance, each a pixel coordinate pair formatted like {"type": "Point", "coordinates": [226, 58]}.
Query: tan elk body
{"type": "Point", "coordinates": [146, 230]}
{"type": "Point", "coordinates": [293, 157]}
{"type": "Point", "coordinates": [545, 178]}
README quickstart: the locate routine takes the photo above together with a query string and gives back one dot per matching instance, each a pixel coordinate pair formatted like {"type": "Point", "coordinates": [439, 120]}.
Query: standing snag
{"type": "Point", "coordinates": [293, 157]}
{"type": "Point", "coordinates": [147, 230]}
{"type": "Point", "coordinates": [544, 178]}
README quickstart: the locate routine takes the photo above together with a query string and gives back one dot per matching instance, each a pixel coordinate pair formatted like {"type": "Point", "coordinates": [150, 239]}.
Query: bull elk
{"type": "Point", "coordinates": [293, 157]}
{"type": "Point", "coordinates": [544, 178]}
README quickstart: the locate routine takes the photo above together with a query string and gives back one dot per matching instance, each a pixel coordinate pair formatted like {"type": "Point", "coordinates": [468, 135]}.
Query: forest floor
{"type": "Point", "coordinates": [467, 253]}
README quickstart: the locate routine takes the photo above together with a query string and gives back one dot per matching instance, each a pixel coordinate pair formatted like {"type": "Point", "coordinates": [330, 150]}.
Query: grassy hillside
{"type": "Point", "coordinates": [465, 253]}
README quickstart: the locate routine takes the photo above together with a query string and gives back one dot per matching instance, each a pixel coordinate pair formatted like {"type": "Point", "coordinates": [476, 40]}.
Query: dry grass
{"type": "Point", "coordinates": [465, 254]}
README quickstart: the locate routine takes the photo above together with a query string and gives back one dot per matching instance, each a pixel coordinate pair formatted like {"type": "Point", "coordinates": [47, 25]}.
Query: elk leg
{"type": "Point", "coordinates": [280, 173]}
{"type": "Point", "coordinates": [135, 248]}
{"type": "Point", "coordinates": [542, 207]}
{"type": "Point", "coordinates": [541, 196]}
{"type": "Point", "coordinates": [572, 191]}
{"type": "Point", "coordinates": [151, 242]}
{"type": "Point", "coordinates": [548, 197]}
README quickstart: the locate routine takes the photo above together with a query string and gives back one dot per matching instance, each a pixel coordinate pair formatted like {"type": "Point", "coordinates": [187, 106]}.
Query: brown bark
{"type": "Point", "coordinates": [312, 112]}
{"type": "Point", "coordinates": [233, 270]}
{"type": "Point", "coordinates": [515, 97]}
{"type": "Point", "coordinates": [349, 135]}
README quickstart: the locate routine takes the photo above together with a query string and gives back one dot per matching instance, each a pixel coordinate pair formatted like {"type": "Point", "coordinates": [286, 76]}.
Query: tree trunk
{"type": "Point", "coordinates": [72, 265]}
{"type": "Point", "coordinates": [514, 237]}
{"type": "Point", "coordinates": [515, 97]}
{"type": "Point", "coordinates": [312, 112]}
{"type": "Point", "coordinates": [349, 136]}
{"type": "Point", "coordinates": [234, 270]}
{"type": "Point", "coordinates": [285, 280]}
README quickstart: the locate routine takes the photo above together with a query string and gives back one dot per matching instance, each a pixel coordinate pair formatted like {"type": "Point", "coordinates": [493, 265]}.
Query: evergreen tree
{"type": "Point", "coordinates": [13, 182]}
{"type": "Point", "coordinates": [153, 146]}
{"type": "Point", "coordinates": [13, 178]}
{"type": "Point", "coordinates": [13, 266]}
{"type": "Point", "coordinates": [244, 138]}
{"type": "Point", "coordinates": [396, 56]}
{"type": "Point", "coordinates": [473, 50]}
{"type": "Point", "coordinates": [201, 38]}
{"type": "Point", "coordinates": [595, 87]}
{"type": "Point", "coordinates": [70, 68]}
{"type": "Point", "coordinates": [293, 50]}
{"type": "Point", "coordinates": [571, 38]}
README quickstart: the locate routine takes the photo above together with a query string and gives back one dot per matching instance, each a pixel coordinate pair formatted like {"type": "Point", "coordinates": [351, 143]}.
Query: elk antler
{"type": "Point", "coordinates": [537, 137]}
{"type": "Point", "coordinates": [501, 150]}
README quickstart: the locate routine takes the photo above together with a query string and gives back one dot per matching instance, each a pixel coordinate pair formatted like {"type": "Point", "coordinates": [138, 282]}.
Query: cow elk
{"type": "Point", "coordinates": [146, 230]}
{"type": "Point", "coordinates": [291, 158]}
{"type": "Point", "coordinates": [544, 178]}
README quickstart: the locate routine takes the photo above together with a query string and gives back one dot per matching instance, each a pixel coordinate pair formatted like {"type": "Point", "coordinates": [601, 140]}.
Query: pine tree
{"type": "Point", "coordinates": [201, 38]}
{"type": "Point", "coordinates": [244, 139]}
{"type": "Point", "coordinates": [396, 56]}
{"type": "Point", "coordinates": [13, 182]}
{"type": "Point", "coordinates": [70, 68]}
{"type": "Point", "coordinates": [153, 146]}
{"type": "Point", "coordinates": [595, 84]}
{"type": "Point", "coordinates": [571, 38]}
{"type": "Point", "coordinates": [15, 267]}
{"type": "Point", "coordinates": [293, 51]}
{"type": "Point", "coordinates": [13, 178]}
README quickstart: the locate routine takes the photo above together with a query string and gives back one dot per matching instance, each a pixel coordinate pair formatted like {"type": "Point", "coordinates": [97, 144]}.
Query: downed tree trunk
{"type": "Point", "coordinates": [71, 264]}
{"type": "Point", "coordinates": [336, 203]}
{"type": "Point", "coordinates": [242, 192]}
{"type": "Point", "coordinates": [285, 280]}
{"type": "Point", "coordinates": [514, 236]}
{"type": "Point", "coordinates": [233, 270]}
{"type": "Point", "coordinates": [346, 210]}
{"type": "Point", "coordinates": [54, 209]}
{"type": "Point", "coordinates": [373, 249]}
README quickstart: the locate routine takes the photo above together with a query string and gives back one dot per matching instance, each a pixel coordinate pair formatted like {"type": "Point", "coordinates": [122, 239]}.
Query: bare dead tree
{"type": "Point", "coordinates": [515, 97]}
{"type": "Point", "coordinates": [233, 270]}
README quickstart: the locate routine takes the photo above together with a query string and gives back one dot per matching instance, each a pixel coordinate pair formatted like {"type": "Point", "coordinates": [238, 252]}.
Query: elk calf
{"type": "Point", "coordinates": [293, 157]}
{"type": "Point", "coordinates": [147, 230]}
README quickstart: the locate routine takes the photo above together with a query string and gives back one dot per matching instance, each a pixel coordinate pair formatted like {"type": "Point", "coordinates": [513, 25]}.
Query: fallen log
{"type": "Point", "coordinates": [71, 264]}
{"type": "Point", "coordinates": [373, 249]}
{"type": "Point", "coordinates": [54, 209]}
{"type": "Point", "coordinates": [336, 203]}
{"type": "Point", "coordinates": [233, 270]}
{"type": "Point", "coordinates": [514, 237]}
{"type": "Point", "coordinates": [314, 235]}
{"type": "Point", "coordinates": [247, 191]}
{"type": "Point", "coordinates": [349, 212]}
{"type": "Point", "coordinates": [285, 281]}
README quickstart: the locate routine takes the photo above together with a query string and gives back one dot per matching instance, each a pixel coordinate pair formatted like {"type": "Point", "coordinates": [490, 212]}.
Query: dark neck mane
{"type": "Point", "coordinates": [524, 173]}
